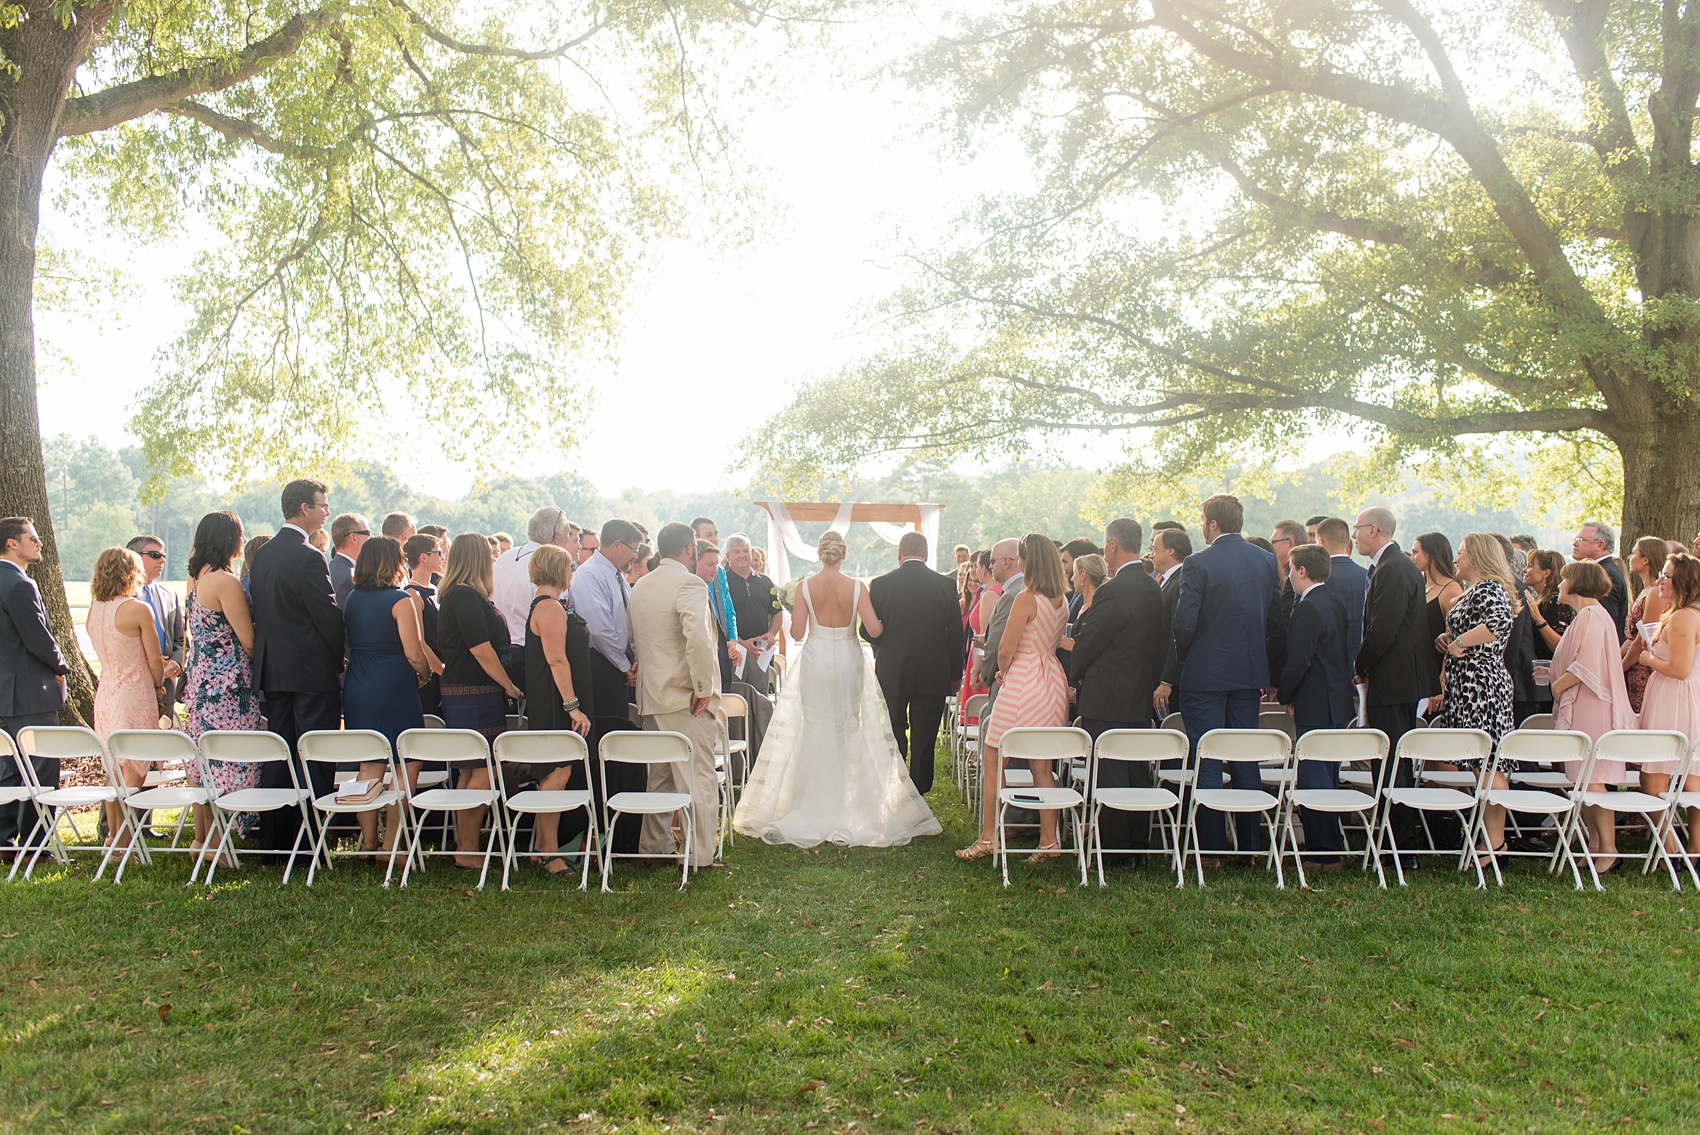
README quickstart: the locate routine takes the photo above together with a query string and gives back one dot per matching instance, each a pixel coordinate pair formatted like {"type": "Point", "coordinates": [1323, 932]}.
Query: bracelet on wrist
{"type": "Point", "coordinates": [570, 706]}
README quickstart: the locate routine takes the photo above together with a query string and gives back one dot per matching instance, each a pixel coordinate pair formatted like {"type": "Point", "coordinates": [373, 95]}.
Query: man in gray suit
{"type": "Point", "coordinates": [32, 671]}
{"type": "Point", "coordinates": [348, 532]}
{"type": "Point", "coordinates": [1006, 569]}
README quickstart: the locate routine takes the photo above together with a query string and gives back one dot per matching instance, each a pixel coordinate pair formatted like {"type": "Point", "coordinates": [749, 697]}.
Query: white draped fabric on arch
{"type": "Point", "coordinates": [889, 522]}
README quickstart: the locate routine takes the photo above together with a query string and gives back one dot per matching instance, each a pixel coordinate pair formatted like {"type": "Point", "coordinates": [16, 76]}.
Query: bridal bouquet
{"type": "Point", "coordinates": [788, 593]}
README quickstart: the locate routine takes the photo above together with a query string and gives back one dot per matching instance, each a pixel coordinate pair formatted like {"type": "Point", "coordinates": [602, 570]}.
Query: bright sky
{"type": "Point", "coordinates": [715, 340]}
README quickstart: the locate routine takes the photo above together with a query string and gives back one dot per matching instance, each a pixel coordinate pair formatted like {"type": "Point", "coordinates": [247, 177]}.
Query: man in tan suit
{"type": "Point", "coordinates": [678, 685]}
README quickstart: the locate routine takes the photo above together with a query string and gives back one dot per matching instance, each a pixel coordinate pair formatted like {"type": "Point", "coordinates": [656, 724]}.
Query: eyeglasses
{"type": "Point", "coordinates": [1283, 540]}
{"type": "Point", "coordinates": [361, 532]}
{"type": "Point", "coordinates": [149, 555]}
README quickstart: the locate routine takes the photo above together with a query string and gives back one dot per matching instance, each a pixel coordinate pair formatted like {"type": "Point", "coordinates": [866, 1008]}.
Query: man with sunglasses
{"type": "Point", "coordinates": [348, 532]}
{"type": "Point", "coordinates": [32, 671]}
{"type": "Point", "coordinates": [168, 618]}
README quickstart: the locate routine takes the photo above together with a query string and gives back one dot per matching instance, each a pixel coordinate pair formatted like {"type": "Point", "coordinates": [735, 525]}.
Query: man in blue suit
{"type": "Point", "coordinates": [1346, 577]}
{"type": "Point", "coordinates": [1316, 682]}
{"type": "Point", "coordinates": [1225, 614]}
{"type": "Point", "coordinates": [32, 671]}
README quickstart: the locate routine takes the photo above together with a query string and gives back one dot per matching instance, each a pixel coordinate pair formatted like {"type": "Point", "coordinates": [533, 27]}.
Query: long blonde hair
{"type": "Point", "coordinates": [1487, 559]}
{"type": "Point", "coordinates": [1041, 566]}
{"type": "Point", "coordinates": [469, 564]}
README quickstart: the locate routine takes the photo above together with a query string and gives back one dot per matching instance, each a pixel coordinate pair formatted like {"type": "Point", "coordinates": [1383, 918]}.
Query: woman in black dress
{"type": "Point", "coordinates": [1432, 552]}
{"type": "Point", "coordinates": [425, 562]}
{"type": "Point", "coordinates": [558, 688]}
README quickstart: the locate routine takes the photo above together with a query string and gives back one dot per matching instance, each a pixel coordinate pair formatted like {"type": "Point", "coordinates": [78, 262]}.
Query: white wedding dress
{"type": "Point", "coordinates": [829, 770]}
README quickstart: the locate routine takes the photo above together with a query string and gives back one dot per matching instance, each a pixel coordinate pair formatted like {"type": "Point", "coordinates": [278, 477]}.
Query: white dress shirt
{"type": "Point", "coordinates": [511, 591]}
{"type": "Point", "coordinates": [601, 595]}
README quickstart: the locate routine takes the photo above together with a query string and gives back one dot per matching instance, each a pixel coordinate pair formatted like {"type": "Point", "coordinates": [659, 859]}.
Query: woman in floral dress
{"type": "Point", "coordinates": [220, 689]}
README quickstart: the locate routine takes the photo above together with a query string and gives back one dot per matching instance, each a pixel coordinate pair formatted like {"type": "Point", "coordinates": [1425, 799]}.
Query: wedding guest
{"type": "Point", "coordinates": [1033, 688]}
{"type": "Point", "coordinates": [1346, 577]}
{"type": "Point", "coordinates": [1006, 573]}
{"type": "Point", "coordinates": [1645, 563]}
{"type": "Point", "coordinates": [990, 591]}
{"type": "Point", "coordinates": [1316, 684]}
{"type": "Point", "coordinates": [719, 610]}
{"type": "Point", "coordinates": [386, 666]}
{"type": "Point", "coordinates": [32, 670]}
{"type": "Point", "coordinates": [503, 542]}
{"type": "Point", "coordinates": [601, 597]}
{"type": "Point", "coordinates": [442, 535]}
{"type": "Point", "coordinates": [348, 532]}
{"type": "Point", "coordinates": [1672, 700]}
{"type": "Point", "coordinates": [1286, 535]}
{"type": "Point", "coordinates": [758, 560]}
{"type": "Point", "coordinates": [1524, 544]}
{"type": "Point", "coordinates": [168, 619]}
{"type": "Point", "coordinates": [220, 692]}
{"type": "Point", "coordinates": [1432, 553]}
{"type": "Point", "coordinates": [589, 543]}
{"type": "Point", "coordinates": [426, 561]}
{"type": "Point", "coordinates": [399, 526]}
{"type": "Point", "coordinates": [298, 647]}
{"type": "Point", "coordinates": [962, 553]}
{"type": "Point", "coordinates": [1527, 698]}
{"type": "Point", "coordinates": [967, 594]}
{"type": "Point", "coordinates": [1588, 689]}
{"type": "Point", "coordinates": [495, 547]}
{"type": "Point", "coordinates": [1260, 544]}
{"type": "Point", "coordinates": [755, 602]}
{"type": "Point", "coordinates": [125, 637]}
{"type": "Point", "coordinates": [1071, 551]}
{"type": "Point", "coordinates": [1120, 644]}
{"type": "Point", "coordinates": [676, 682]}
{"type": "Point", "coordinates": [1170, 547]}
{"type": "Point", "coordinates": [558, 686]}
{"type": "Point", "coordinates": [254, 544]}
{"type": "Point", "coordinates": [1313, 530]}
{"type": "Point", "coordinates": [1542, 574]}
{"type": "Point", "coordinates": [1478, 691]}
{"type": "Point", "coordinates": [706, 529]}
{"type": "Point", "coordinates": [1393, 661]}
{"type": "Point", "coordinates": [513, 590]}
{"type": "Point", "coordinates": [916, 655]}
{"type": "Point", "coordinates": [320, 542]}
{"type": "Point", "coordinates": [474, 638]}
{"type": "Point", "coordinates": [1595, 541]}
{"type": "Point", "coordinates": [639, 567]}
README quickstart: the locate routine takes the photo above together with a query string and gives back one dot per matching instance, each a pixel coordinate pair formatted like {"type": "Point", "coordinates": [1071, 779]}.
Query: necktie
{"type": "Point", "coordinates": [626, 610]}
{"type": "Point", "coordinates": [158, 618]}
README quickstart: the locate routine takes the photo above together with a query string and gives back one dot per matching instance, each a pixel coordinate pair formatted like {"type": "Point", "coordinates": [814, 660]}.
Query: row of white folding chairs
{"type": "Point", "coordinates": [341, 747]}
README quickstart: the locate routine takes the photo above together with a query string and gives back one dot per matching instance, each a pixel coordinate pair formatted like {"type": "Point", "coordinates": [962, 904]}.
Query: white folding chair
{"type": "Point", "coordinates": [67, 743]}
{"type": "Point", "coordinates": [965, 743]}
{"type": "Point", "coordinates": [354, 746]}
{"type": "Point", "coordinates": [1631, 746]}
{"type": "Point", "coordinates": [1533, 746]}
{"type": "Point", "coordinates": [455, 745]}
{"type": "Point", "coordinates": [1432, 745]}
{"type": "Point", "coordinates": [631, 747]}
{"type": "Point", "coordinates": [1239, 746]}
{"type": "Point", "coordinates": [13, 795]}
{"type": "Point", "coordinates": [1148, 745]}
{"type": "Point", "coordinates": [251, 747]}
{"type": "Point", "coordinates": [1685, 803]}
{"type": "Point", "coordinates": [1048, 744]}
{"type": "Point", "coordinates": [1336, 747]}
{"type": "Point", "coordinates": [546, 747]}
{"type": "Point", "coordinates": [166, 746]}
{"type": "Point", "coordinates": [1177, 779]}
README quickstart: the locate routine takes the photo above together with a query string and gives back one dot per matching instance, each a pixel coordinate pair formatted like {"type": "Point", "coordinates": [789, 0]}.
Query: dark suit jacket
{"type": "Point", "coordinates": [342, 578]}
{"type": "Point", "coordinates": [1348, 580]}
{"type": "Point", "coordinates": [1617, 603]}
{"type": "Point", "coordinates": [1276, 643]}
{"type": "Point", "coordinates": [1119, 649]}
{"type": "Point", "coordinates": [1171, 595]}
{"type": "Point", "coordinates": [298, 631]}
{"type": "Point", "coordinates": [1396, 640]}
{"type": "Point", "coordinates": [30, 662]}
{"type": "Point", "coordinates": [1316, 677]}
{"type": "Point", "coordinates": [920, 652]}
{"type": "Point", "coordinates": [1225, 615]}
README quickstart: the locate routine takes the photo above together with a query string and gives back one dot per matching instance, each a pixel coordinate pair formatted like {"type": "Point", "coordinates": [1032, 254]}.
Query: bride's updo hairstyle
{"type": "Point", "coordinates": [831, 547]}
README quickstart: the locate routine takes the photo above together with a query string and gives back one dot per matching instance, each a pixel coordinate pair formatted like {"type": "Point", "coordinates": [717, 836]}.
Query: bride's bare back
{"type": "Point", "coordinates": [831, 593]}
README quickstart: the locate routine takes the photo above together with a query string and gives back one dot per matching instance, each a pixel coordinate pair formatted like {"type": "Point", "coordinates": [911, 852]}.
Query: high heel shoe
{"type": "Point", "coordinates": [1484, 856]}
{"type": "Point", "coordinates": [979, 849]}
{"type": "Point", "coordinates": [1046, 852]}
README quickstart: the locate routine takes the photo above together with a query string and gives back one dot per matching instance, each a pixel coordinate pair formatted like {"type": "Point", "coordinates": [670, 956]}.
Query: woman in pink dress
{"type": "Point", "coordinates": [1032, 688]}
{"type": "Point", "coordinates": [132, 669]}
{"type": "Point", "coordinates": [990, 591]}
{"type": "Point", "coordinates": [1644, 563]}
{"type": "Point", "coordinates": [1588, 689]}
{"type": "Point", "coordinates": [1672, 700]}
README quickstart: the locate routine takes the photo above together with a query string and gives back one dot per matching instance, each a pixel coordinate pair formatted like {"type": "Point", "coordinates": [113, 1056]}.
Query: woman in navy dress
{"type": "Point", "coordinates": [386, 664]}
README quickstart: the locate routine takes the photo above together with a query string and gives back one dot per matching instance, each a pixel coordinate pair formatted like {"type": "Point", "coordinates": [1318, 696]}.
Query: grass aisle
{"type": "Point", "coordinates": [839, 990]}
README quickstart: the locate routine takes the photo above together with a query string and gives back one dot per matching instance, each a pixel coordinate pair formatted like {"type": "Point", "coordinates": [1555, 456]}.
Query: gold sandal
{"type": "Point", "coordinates": [1046, 852]}
{"type": "Point", "coordinates": [979, 849]}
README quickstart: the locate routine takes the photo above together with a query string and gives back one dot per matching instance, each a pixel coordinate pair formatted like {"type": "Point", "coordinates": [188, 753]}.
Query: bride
{"type": "Point", "coordinates": [829, 770]}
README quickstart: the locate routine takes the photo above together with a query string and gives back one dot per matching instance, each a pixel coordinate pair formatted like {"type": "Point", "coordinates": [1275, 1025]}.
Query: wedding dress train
{"type": "Point", "coordinates": [829, 770]}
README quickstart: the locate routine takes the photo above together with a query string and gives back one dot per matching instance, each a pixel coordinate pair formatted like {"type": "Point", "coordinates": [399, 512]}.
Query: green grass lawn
{"type": "Point", "coordinates": [846, 990]}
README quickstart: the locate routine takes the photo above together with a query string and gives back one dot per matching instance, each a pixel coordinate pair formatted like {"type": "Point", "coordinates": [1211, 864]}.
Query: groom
{"type": "Point", "coordinates": [918, 659]}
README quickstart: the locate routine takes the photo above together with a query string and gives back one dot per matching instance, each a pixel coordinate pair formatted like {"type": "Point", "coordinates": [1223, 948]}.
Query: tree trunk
{"type": "Point", "coordinates": [47, 53]}
{"type": "Point", "coordinates": [1661, 480]}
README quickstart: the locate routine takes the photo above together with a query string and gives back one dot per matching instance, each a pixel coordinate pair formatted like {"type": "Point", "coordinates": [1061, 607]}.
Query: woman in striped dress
{"type": "Point", "coordinates": [1032, 688]}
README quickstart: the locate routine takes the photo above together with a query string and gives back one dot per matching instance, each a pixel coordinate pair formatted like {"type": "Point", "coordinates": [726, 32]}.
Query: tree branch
{"type": "Point", "coordinates": [1322, 220]}
{"type": "Point", "coordinates": [243, 130]}
{"type": "Point", "coordinates": [107, 108]}
{"type": "Point", "coordinates": [443, 39]}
